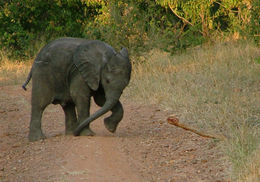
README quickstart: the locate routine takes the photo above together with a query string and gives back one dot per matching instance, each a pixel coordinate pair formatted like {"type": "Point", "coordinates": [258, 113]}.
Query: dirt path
{"type": "Point", "coordinates": [145, 148]}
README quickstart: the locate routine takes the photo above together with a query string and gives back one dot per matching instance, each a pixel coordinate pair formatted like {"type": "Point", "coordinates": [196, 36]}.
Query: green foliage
{"type": "Point", "coordinates": [224, 15]}
{"type": "Point", "coordinates": [126, 23]}
{"type": "Point", "coordinates": [253, 29]}
{"type": "Point", "coordinates": [23, 22]}
{"type": "Point", "coordinates": [137, 24]}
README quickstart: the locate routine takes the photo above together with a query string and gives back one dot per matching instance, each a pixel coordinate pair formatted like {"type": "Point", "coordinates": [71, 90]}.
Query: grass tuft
{"type": "Point", "coordinates": [13, 72]}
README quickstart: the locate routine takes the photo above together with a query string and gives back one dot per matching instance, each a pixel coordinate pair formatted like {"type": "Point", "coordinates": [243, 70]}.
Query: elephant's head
{"type": "Point", "coordinates": [100, 65]}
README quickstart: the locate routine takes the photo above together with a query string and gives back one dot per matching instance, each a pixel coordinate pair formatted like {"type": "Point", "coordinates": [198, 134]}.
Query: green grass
{"type": "Point", "coordinates": [213, 88]}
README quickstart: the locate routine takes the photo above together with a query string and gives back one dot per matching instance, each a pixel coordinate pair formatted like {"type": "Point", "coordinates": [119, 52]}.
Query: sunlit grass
{"type": "Point", "coordinates": [216, 89]}
{"type": "Point", "coordinates": [13, 72]}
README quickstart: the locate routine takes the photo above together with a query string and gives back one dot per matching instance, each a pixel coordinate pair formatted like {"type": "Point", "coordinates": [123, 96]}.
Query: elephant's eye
{"type": "Point", "coordinates": [107, 81]}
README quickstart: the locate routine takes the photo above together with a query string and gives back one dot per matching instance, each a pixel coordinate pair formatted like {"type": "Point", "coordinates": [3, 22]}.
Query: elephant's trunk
{"type": "Point", "coordinates": [109, 104]}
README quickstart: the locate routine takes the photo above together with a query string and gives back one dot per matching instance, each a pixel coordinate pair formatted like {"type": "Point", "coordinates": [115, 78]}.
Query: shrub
{"type": "Point", "coordinates": [140, 25]}
{"type": "Point", "coordinates": [23, 22]}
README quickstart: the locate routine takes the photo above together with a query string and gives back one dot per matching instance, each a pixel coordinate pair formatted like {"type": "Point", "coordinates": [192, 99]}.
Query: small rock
{"type": "Point", "coordinates": [204, 160]}
{"type": "Point", "coordinates": [194, 161]}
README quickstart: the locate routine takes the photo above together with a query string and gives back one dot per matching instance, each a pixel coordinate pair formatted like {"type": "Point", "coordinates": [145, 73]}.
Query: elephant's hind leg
{"type": "Point", "coordinates": [35, 123]}
{"type": "Point", "coordinates": [70, 118]}
{"type": "Point", "coordinates": [40, 100]}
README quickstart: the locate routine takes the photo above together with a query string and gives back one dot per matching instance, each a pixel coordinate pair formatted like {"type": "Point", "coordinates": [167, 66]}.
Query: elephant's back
{"type": "Point", "coordinates": [62, 50]}
{"type": "Point", "coordinates": [54, 61]}
{"type": "Point", "coordinates": [97, 46]}
{"type": "Point", "coordinates": [58, 50]}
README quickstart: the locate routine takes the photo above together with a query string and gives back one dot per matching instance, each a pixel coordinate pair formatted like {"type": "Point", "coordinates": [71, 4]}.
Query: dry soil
{"type": "Point", "coordinates": [145, 147]}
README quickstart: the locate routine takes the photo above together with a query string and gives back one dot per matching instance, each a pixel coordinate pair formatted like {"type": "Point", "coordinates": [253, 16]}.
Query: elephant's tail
{"type": "Point", "coordinates": [29, 77]}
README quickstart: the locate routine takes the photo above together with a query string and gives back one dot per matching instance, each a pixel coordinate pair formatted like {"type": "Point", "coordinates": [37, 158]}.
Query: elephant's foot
{"type": "Point", "coordinates": [110, 125]}
{"type": "Point", "coordinates": [87, 132]}
{"type": "Point", "coordinates": [34, 136]}
{"type": "Point", "coordinates": [70, 130]}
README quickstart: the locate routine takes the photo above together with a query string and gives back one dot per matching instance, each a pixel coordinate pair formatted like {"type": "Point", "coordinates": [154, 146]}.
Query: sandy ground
{"type": "Point", "coordinates": [145, 148]}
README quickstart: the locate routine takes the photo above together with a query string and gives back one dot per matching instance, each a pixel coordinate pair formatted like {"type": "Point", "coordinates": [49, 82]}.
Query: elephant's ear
{"type": "Point", "coordinates": [124, 52]}
{"type": "Point", "coordinates": [88, 63]}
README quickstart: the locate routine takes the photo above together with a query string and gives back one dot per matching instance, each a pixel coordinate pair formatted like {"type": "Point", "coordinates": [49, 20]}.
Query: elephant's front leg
{"type": "Point", "coordinates": [112, 121]}
{"type": "Point", "coordinates": [70, 118]}
{"type": "Point", "coordinates": [81, 94]}
{"type": "Point", "coordinates": [83, 113]}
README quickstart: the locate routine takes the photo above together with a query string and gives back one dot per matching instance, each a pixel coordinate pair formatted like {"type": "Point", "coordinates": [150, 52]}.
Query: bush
{"type": "Point", "coordinates": [138, 25]}
{"type": "Point", "coordinates": [26, 21]}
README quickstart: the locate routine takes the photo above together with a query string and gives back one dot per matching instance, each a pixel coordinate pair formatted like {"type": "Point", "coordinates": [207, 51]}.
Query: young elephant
{"type": "Point", "coordinates": [69, 71]}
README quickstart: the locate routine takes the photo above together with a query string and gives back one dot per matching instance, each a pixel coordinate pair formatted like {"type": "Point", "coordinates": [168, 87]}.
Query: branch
{"type": "Point", "coordinates": [175, 121]}
{"type": "Point", "coordinates": [226, 7]}
{"type": "Point", "coordinates": [183, 19]}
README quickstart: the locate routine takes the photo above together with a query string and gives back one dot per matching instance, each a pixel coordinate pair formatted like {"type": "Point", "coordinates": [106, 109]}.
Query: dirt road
{"type": "Point", "coordinates": [144, 149]}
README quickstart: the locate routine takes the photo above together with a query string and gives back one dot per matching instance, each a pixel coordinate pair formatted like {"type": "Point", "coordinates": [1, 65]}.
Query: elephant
{"type": "Point", "coordinates": [70, 71]}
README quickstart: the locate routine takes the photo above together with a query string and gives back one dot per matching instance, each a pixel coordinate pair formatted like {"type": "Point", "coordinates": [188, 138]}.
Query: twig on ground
{"type": "Point", "coordinates": [175, 121]}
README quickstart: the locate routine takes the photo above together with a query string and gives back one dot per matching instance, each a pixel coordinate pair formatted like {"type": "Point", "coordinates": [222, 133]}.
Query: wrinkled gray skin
{"type": "Point", "coordinates": [69, 71]}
